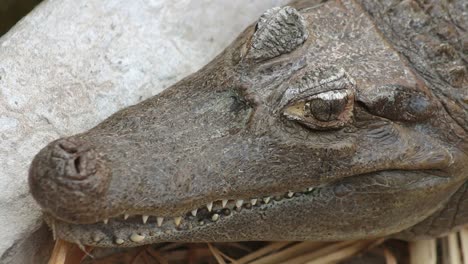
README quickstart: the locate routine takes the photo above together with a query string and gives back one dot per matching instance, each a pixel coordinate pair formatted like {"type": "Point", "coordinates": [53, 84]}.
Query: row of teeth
{"type": "Point", "coordinates": [209, 206]}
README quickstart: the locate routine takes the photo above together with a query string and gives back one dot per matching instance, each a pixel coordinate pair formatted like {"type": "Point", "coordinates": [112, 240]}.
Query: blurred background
{"type": "Point", "coordinates": [11, 11]}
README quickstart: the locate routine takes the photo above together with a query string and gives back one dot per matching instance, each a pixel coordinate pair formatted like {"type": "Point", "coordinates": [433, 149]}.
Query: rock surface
{"type": "Point", "coordinates": [69, 64]}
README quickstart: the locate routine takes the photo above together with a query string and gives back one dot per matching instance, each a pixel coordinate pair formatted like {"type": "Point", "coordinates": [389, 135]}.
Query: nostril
{"type": "Point", "coordinates": [77, 158]}
{"type": "Point", "coordinates": [77, 163]}
{"type": "Point", "coordinates": [70, 149]}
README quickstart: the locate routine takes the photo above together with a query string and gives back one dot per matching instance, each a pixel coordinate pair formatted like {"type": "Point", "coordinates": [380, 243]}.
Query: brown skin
{"type": "Point", "coordinates": [335, 106]}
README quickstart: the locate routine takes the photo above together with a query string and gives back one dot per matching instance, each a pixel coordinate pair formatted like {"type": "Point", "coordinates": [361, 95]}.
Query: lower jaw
{"type": "Point", "coordinates": [130, 231]}
{"type": "Point", "coordinates": [323, 213]}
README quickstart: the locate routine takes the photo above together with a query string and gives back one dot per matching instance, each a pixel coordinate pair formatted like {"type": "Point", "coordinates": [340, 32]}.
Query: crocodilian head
{"type": "Point", "coordinates": [305, 128]}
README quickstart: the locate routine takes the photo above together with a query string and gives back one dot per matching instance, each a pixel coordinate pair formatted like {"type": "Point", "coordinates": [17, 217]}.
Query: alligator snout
{"type": "Point", "coordinates": [69, 175]}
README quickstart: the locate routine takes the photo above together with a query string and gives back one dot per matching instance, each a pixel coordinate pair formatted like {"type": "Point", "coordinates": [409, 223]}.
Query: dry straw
{"type": "Point", "coordinates": [452, 249]}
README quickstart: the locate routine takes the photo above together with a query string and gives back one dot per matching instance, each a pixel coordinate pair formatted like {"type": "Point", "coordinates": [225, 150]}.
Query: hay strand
{"type": "Point", "coordinates": [464, 243]}
{"type": "Point", "coordinates": [59, 254]}
{"type": "Point", "coordinates": [345, 252]}
{"type": "Point", "coordinates": [389, 257]}
{"type": "Point", "coordinates": [453, 249]}
{"type": "Point", "coordinates": [423, 251]}
{"type": "Point", "coordinates": [66, 253]}
{"type": "Point", "coordinates": [288, 253]}
{"type": "Point", "coordinates": [275, 246]}
{"type": "Point", "coordinates": [216, 254]}
{"type": "Point", "coordinates": [322, 251]}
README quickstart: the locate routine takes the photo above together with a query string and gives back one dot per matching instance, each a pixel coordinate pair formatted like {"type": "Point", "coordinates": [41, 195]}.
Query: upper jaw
{"type": "Point", "coordinates": [165, 195]}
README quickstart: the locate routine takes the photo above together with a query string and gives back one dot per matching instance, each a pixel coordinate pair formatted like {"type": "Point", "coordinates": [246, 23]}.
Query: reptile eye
{"type": "Point", "coordinates": [327, 110]}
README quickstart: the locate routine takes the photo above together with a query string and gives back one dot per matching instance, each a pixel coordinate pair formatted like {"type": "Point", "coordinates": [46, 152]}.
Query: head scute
{"type": "Point", "coordinates": [278, 31]}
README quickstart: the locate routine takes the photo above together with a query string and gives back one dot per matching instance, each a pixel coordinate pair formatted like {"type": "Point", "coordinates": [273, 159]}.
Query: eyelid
{"type": "Point", "coordinates": [332, 95]}
{"type": "Point", "coordinates": [314, 82]}
{"type": "Point", "coordinates": [327, 95]}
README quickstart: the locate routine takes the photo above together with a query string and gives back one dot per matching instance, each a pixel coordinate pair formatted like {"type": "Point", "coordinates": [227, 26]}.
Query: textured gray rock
{"type": "Point", "coordinates": [70, 64]}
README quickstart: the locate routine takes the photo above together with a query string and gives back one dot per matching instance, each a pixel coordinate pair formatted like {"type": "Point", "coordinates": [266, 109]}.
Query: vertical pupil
{"type": "Point", "coordinates": [325, 110]}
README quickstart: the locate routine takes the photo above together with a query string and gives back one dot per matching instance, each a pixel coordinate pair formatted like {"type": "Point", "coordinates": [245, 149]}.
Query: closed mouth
{"type": "Point", "coordinates": [204, 215]}
{"type": "Point", "coordinates": [131, 230]}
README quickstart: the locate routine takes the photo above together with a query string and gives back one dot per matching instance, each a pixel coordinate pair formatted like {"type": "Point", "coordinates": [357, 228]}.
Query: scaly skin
{"type": "Point", "coordinates": [326, 121]}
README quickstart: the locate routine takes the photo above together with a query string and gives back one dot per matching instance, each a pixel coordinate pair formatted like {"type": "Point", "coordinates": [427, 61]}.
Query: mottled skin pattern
{"type": "Point", "coordinates": [344, 119]}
